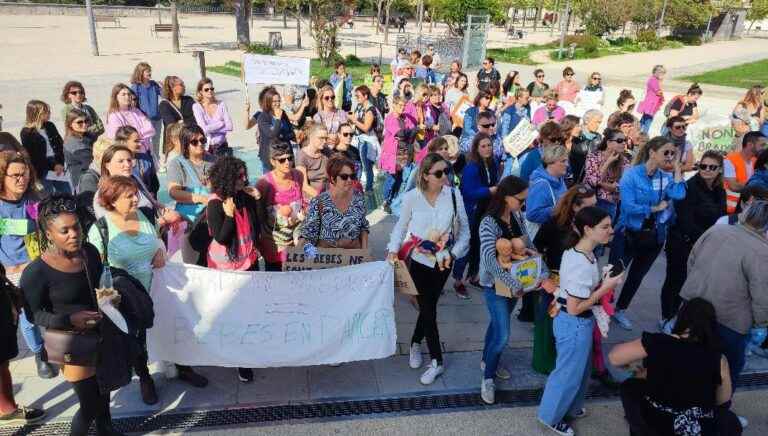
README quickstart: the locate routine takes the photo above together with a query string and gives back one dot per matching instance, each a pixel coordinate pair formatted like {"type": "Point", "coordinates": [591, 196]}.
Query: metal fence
{"type": "Point", "coordinates": [368, 51]}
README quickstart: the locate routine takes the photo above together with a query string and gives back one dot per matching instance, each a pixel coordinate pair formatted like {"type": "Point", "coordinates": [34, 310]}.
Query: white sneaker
{"type": "Point", "coordinates": [621, 318]}
{"type": "Point", "coordinates": [415, 360]}
{"type": "Point", "coordinates": [562, 428]}
{"type": "Point", "coordinates": [744, 422]}
{"type": "Point", "coordinates": [433, 371]}
{"type": "Point", "coordinates": [488, 391]}
{"type": "Point", "coordinates": [501, 372]}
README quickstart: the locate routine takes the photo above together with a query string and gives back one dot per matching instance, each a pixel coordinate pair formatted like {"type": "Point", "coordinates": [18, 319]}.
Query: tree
{"type": "Point", "coordinates": [324, 27]}
{"type": "Point", "coordinates": [242, 17]}
{"type": "Point", "coordinates": [759, 11]}
{"type": "Point", "coordinates": [682, 14]}
{"type": "Point", "coordinates": [454, 12]}
{"type": "Point", "coordinates": [603, 16]}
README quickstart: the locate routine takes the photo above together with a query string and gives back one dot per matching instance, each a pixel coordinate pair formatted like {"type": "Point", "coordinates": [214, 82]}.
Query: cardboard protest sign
{"type": "Point", "coordinates": [275, 70]}
{"type": "Point", "coordinates": [297, 260]}
{"type": "Point", "coordinates": [527, 272]}
{"type": "Point", "coordinates": [403, 281]}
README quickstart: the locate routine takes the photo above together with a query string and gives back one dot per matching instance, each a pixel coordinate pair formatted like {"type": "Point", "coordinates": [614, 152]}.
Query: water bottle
{"type": "Point", "coordinates": [106, 279]}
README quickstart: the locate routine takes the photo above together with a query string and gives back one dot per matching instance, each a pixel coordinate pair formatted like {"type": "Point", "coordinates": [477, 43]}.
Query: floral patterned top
{"type": "Point", "coordinates": [593, 177]}
{"type": "Point", "coordinates": [327, 223]}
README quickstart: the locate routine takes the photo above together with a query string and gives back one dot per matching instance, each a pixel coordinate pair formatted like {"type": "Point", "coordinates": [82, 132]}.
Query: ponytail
{"type": "Point", "coordinates": [589, 216]}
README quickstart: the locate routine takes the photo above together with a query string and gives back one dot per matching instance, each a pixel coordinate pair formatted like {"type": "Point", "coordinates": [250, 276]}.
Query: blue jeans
{"type": "Point", "coordinates": [734, 349]}
{"type": "Point", "coordinates": [367, 166]}
{"type": "Point", "coordinates": [645, 123]}
{"type": "Point", "coordinates": [391, 186]}
{"type": "Point", "coordinates": [31, 334]}
{"type": "Point", "coordinates": [567, 385]}
{"type": "Point", "coordinates": [497, 334]}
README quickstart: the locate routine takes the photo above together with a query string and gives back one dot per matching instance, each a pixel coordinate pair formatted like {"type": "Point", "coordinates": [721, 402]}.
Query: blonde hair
{"type": "Point", "coordinates": [138, 72]}
{"type": "Point", "coordinates": [422, 89]}
{"type": "Point", "coordinates": [113, 105]}
{"type": "Point", "coordinates": [310, 131]}
{"type": "Point", "coordinates": [36, 111]}
{"type": "Point", "coordinates": [172, 131]}
{"type": "Point", "coordinates": [101, 144]}
{"type": "Point", "coordinates": [320, 93]}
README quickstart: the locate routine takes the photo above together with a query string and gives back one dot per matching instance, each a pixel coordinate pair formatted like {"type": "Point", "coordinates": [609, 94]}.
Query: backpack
{"type": "Point", "coordinates": [668, 107]}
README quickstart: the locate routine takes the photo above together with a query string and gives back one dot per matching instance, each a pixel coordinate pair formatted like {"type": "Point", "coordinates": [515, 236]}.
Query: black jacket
{"type": "Point", "coordinates": [35, 145]}
{"type": "Point", "coordinates": [577, 158]}
{"type": "Point", "coordinates": [170, 114]}
{"type": "Point", "coordinates": [698, 211]}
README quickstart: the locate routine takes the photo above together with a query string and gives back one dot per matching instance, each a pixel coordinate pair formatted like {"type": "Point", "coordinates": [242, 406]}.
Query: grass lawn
{"type": "Point", "coordinates": [739, 76]}
{"type": "Point", "coordinates": [358, 70]}
{"type": "Point", "coordinates": [517, 55]}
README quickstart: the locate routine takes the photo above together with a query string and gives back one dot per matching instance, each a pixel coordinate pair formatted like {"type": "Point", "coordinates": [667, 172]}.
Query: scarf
{"type": "Point", "coordinates": [679, 143]}
{"type": "Point", "coordinates": [598, 87]}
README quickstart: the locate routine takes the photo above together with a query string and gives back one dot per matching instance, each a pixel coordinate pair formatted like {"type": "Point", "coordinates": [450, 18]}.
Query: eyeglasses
{"type": "Point", "coordinates": [540, 76]}
{"type": "Point", "coordinates": [668, 153]}
{"type": "Point", "coordinates": [704, 167]}
{"type": "Point", "coordinates": [284, 159]}
{"type": "Point", "coordinates": [195, 142]}
{"type": "Point", "coordinates": [346, 134]}
{"type": "Point", "coordinates": [76, 92]}
{"type": "Point", "coordinates": [345, 177]}
{"type": "Point", "coordinates": [678, 126]}
{"type": "Point", "coordinates": [17, 177]}
{"type": "Point", "coordinates": [439, 174]}
{"type": "Point", "coordinates": [208, 89]}
{"type": "Point", "coordinates": [597, 78]}
{"type": "Point", "coordinates": [488, 126]}
{"type": "Point", "coordinates": [80, 122]}
{"type": "Point", "coordinates": [619, 140]}
{"type": "Point", "coordinates": [568, 74]}
{"type": "Point", "coordinates": [328, 97]}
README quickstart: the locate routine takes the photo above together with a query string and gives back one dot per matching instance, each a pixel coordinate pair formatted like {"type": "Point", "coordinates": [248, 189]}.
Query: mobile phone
{"type": "Point", "coordinates": [618, 269]}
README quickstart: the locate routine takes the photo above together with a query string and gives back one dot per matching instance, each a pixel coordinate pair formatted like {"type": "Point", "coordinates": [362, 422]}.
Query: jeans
{"type": "Point", "coordinates": [31, 334]}
{"type": "Point", "coordinates": [429, 282]}
{"type": "Point", "coordinates": [677, 251]}
{"type": "Point", "coordinates": [567, 385]}
{"type": "Point", "coordinates": [645, 123]}
{"type": "Point", "coordinates": [497, 334]}
{"type": "Point", "coordinates": [459, 265]}
{"type": "Point", "coordinates": [623, 250]}
{"type": "Point", "coordinates": [391, 186]}
{"type": "Point", "coordinates": [367, 166]}
{"type": "Point", "coordinates": [734, 348]}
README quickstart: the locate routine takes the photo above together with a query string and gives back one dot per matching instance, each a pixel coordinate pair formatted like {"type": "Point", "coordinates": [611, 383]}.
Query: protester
{"type": "Point", "coordinates": [59, 291]}
{"type": "Point", "coordinates": [580, 289]}
{"type": "Point", "coordinates": [429, 213]}
{"type": "Point", "coordinates": [604, 169]}
{"type": "Point", "coordinates": [379, 100]}
{"type": "Point", "coordinates": [478, 184]}
{"type": "Point", "coordinates": [570, 130]}
{"type": "Point", "coordinates": [123, 111]}
{"type": "Point", "coordinates": [373, 71]}
{"type": "Point", "coordinates": [551, 242]}
{"type": "Point", "coordinates": [703, 204]}
{"type": "Point", "coordinates": [502, 219]}
{"type": "Point", "coordinates": [366, 121]}
{"type": "Point", "coordinates": [760, 175]}
{"type": "Point", "coordinates": [625, 104]}
{"type": "Point", "coordinates": [148, 95]}
{"type": "Point", "coordinates": [511, 84]}
{"type": "Point", "coordinates": [481, 104]}
{"type": "Point", "coordinates": [295, 105]}
{"type": "Point", "coordinates": [654, 98]}
{"type": "Point", "coordinates": [336, 218]}
{"type": "Point", "coordinates": [726, 267]}
{"type": "Point", "coordinates": [685, 106]}
{"type": "Point", "coordinates": [550, 111]}
{"type": "Point", "coordinates": [627, 123]}
{"type": "Point", "coordinates": [328, 115]}
{"type": "Point", "coordinates": [73, 97]}
{"type": "Point", "coordinates": [676, 125]}
{"type": "Point", "coordinates": [537, 88]}
{"type": "Point", "coordinates": [11, 306]}
{"type": "Point", "coordinates": [514, 114]}
{"type": "Point", "coordinates": [684, 386]}
{"type": "Point", "coordinates": [749, 194]}
{"type": "Point", "coordinates": [341, 82]}
{"type": "Point", "coordinates": [133, 246]}
{"type": "Point", "coordinates": [547, 185]}
{"type": "Point", "coordinates": [143, 163]}
{"type": "Point", "coordinates": [458, 102]}
{"type": "Point", "coordinates": [188, 175]}
{"type": "Point", "coordinates": [530, 160]}
{"type": "Point", "coordinates": [172, 141]}
{"type": "Point", "coordinates": [175, 105]}
{"type": "Point", "coordinates": [587, 142]}
{"type": "Point", "coordinates": [738, 166]}
{"type": "Point", "coordinates": [8, 142]}
{"type": "Point", "coordinates": [645, 192]}
{"type": "Point", "coordinates": [399, 131]}
{"type": "Point", "coordinates": [44, 145]}
{"type": "Point", "coordinates": [749, 114]}
{"type": "Point", "coordinates": [311, 161]}
{"type": "Point", "coordinates": [213, 117]}
{"type": "Point", "coordinates": [18, 198]}
{"type": "Point", "coordinates": [487, 74]}
{"type": "Point", "coordinates": [77, 146]}
{"type": "Point", "coordinates": [349, 151]}
{"type": "Point", "coordinates": [436, 118]}
{"type": "Point", "coordinates": [281, 191]}
{"type": "Point", "coordinates": [567, 89]}
{"type": "Point", "coordinates": [592, 96]}
{"type": "Point", "coordinates": [89, 181]}
{"type": "Point", "coordinates": [233, 224]}
{"type": "Point", "coordinates": [273, 125]}
{"type": "Point", "coordinates": [425, 72]}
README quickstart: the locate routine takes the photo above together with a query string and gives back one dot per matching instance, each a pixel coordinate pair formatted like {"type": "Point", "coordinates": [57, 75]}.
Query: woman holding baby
{"type": "Point", "coordinates": [431, 232]}
{"type": "Point", "coordinates": [581, 286]}
{"type": "Point", "coordinates": [503, 239]}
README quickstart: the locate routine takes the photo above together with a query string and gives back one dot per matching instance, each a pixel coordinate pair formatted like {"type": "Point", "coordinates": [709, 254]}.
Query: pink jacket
{"type": "Point", "coordinates": [388, 159]}
{"type": "Point", "coordinates": [541, 115]}
{"type": "Point", "coordinates": [652, 102]}
{"type": "Point", "coordinates": [134, 118]}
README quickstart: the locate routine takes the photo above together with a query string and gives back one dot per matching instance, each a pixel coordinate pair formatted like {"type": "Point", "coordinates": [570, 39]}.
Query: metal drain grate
{"type": "Point", "coordinates": [268, 414]}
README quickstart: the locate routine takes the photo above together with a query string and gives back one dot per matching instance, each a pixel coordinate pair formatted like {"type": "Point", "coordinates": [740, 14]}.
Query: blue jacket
{"type": "Point", "coordinates": [511, 117]}
{"type": "Point", "coordinates": [639, 193]}
{"type": "Point", "coordinates": [529, 162]}
{"type": "Point", "coordinates": [428, 74]}
{"type": "Point", "coordinates": [759, 178]}
{"type": "Point", "coordinates": [543, 193]}
{"type": "Point", "coordinates": [408, 182]}
{"type": "Point", "coordinates": [148, 98]}
{"type": "Point", "coordinates": [334, 80]}
{"type": "Point", "coordinates": [474, 187]}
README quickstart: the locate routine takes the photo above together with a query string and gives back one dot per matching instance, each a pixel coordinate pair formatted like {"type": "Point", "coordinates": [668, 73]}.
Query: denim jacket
{"type": "Point", "coordinates": [639, 193]}
{"type": "Point", "coordinates": [510, 117]}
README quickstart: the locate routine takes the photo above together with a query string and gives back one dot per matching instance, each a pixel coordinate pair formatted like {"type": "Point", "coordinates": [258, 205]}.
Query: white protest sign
{"type": "Point", "coordinates": [272, 319]}
{"type": "Point", "coordinates": [275, 70]}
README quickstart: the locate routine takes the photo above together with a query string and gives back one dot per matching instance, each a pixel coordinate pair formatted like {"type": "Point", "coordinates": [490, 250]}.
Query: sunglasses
{"type": "Point", "coordinates": [619, 140]}
{"type": "Point", "coordinates": [678, 126]}
{"type": "Point", "coordinates": [285, 159]}
{"type": "Point", "coordinates": [709, 167]}
{"type": "Point", "coordinates": [345, 177]}
{"type": "Point", "coordinates": [540, 76]}
{"type": "Point", "coordinates": [76, 92]}
{"type": "Point", "coordinates": [80, 122]}
{"type": "Point", "coordinates": [17, 176]}
{"type": "Point", "coordinates": [208, 89]}
{"type": "Point", "coordinates": [669, 153]}
{"type": "Point", "coordinates": [328, 97]}
{"type": "Point", "coordinates": [488, 126]}
{"type": "Point", "coordinates": [596, 78]}
{"type": "Point", "coordinates": [346, 134]}
{"type": "Point", "coordinates": [439, 174]}
{"type": "Point", "coordinates": [569, 74]}
{"type": "Point", "coordinates": [196, 142]}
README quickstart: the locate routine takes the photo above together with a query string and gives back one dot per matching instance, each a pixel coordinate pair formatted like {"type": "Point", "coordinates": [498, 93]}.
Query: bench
{"type": "Point", "coordinates": [513, 33]}
{"type": "Point", "coordinates": [161, 28]}
{"type": "Point", "coordinates": [107, 19]}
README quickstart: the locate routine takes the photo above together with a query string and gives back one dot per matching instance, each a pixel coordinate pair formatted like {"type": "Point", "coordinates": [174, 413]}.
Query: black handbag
{"type": "Point", "coordinates": [647, 238]}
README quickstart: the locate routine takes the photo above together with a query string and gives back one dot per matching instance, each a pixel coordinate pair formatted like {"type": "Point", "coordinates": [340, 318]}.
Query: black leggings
{"type": "Point", "coordinates": [677, 271]}
{"type": "Point", "coordinates": [429, 282]}
{"type": "Point", "coordinates": [94, 406]}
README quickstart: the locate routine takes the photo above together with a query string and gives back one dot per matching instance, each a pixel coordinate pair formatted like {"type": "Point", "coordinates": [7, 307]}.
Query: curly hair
{"type": "Point", "coordinates": [225, 174]}
{"type": "Point", "coordinates": [49, 209]}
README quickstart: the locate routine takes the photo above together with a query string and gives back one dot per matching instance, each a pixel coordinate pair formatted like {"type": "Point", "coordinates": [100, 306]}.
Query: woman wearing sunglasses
{"type": "Point", "coordinates": [568, 88]}
{"type": "Point", "coordinates": [676, 127]}
{"type": "Point", "coordinates": [703, 204]}
{"type": "Point", "coordinates": [213, 117]}
{"type": "Point", "coordinates": [645, 192]}
{"type": "Point", "coordinates": [328, 114]}
{"type": "Point", "coordinates": [604, 169]}
{"type": "Point", "coordinates": [284, 201]}
{"type": "Point", "coordinates": [78, 153]}
{"type": "Point", "coordinates": [336, 218]}
{"type": "Point", "coordinates": [73, 97]}
{"type": "Point", "coordinates": [431, 214]}
{"type": "Point", "coordinates": [592, 96]}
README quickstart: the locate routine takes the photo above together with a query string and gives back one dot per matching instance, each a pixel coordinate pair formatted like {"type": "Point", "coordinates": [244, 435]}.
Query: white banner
{"type": "Point", "coordinates": [275, 70]}
{"type": "Point", "coordinates": [206, 317]}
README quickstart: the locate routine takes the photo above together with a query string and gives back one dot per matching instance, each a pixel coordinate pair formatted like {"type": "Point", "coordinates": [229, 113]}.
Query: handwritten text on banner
{"type": "Point", "coordinates": [275, 70]}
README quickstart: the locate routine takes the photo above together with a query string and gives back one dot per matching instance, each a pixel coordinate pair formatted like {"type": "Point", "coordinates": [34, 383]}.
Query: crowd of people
{"type": "Point", "coordinates": [594, 195]}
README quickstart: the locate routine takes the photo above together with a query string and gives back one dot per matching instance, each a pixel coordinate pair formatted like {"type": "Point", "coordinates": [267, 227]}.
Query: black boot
{"type": "Point", "coordinates": [44, 369]}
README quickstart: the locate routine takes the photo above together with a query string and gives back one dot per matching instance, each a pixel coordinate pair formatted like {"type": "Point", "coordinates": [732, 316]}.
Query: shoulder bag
{"type": "Point", "coordinates": [531, 227]}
